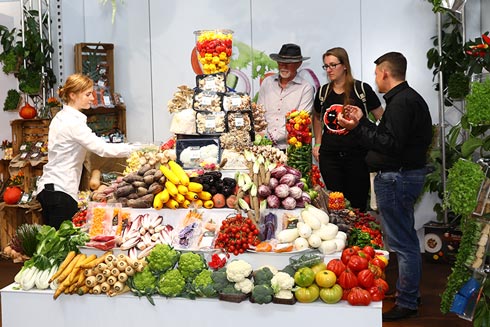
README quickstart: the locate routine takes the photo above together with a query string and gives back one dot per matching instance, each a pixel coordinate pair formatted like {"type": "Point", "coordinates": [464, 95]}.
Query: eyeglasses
{"type": "Point", "coordinates": [331, 66]}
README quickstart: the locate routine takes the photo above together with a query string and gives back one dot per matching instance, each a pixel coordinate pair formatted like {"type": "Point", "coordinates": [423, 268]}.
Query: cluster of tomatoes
{"type": "Point", "coordinates": [316, 177]}
{"type": "Point", "coordinates": [236, 234]}
{"type": "Point", "coordinates": [80, 218]}
{"type": "Point", "coordinates": [360, 273]}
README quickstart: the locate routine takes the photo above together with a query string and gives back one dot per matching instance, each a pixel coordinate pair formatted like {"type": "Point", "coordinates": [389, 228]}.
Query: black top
{"type": "Point", "coordinates": [403, 137]}
{"type": "Point", "coordinates": [334, 137]}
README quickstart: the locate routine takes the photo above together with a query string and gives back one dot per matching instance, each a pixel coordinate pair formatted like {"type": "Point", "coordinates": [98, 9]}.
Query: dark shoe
{"type": "Point", "coordinates": [397, 313]}
{"type": "Point", "coordinates": [419, 299]}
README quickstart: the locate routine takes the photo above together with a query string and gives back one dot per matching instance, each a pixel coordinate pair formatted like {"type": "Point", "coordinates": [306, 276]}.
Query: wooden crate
{"type": "Point", "coordinates": [102, 120]}
{"type": "Point", "coordinates": [91, 57]}
{"type": "Point", "coordinates": [28, 130]}
{"type": "Point", "coordinates": [11, 217]}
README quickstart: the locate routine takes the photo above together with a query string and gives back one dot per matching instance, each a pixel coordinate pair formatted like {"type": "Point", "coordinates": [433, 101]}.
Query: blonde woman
{"type": "Point", "coordinates": [69, 140]}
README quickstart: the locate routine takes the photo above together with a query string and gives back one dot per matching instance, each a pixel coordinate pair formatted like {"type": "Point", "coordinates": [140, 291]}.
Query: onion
{"type": "Point", "coordinates": [289, 203]}
{"type": "Point", "coordinates": [273, 201]}
{"type": "Point", "coordinates": [282, 191]}
{"type": "Point", "coordinates": [264, 191]}
{"type": "Point", "coordinates": [295, 192]}
{"type": "Point", "coordinates": [288, 179]}
{"type": "Point", "coordinates": [279, 171]}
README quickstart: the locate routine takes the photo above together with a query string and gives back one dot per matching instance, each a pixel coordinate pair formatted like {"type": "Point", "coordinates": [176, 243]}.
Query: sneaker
{"type": "Point", "coordinates": [397, 313]}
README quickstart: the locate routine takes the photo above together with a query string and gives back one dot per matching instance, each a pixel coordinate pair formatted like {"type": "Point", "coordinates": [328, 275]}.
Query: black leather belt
{"type": "Point", "coordinates": [394, 170]}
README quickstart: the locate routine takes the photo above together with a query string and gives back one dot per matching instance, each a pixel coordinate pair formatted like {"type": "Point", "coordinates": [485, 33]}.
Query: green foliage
{"type": "Point", "coordinates": [171, 284]}
{"type": "Point", "coordinates": [12, 100]}
{"type": "Point", "coordinates": [463, 183]}
{"type": "Point", "coordinates": [458, 85]}
{"type": "Point", "coordinates": [478, 103]}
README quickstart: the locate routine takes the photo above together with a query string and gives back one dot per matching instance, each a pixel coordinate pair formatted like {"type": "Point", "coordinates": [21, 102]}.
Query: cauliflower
{"type": "Point", "coordinates": [171, 283]}
{"type": "Point", "coordinates": [245, 286]}
{"type": "Point", "coordinates": [203, 284]}
{"type": "Point", "coordinates": [144, 282]}
{"type": "Point", "coordinates": [282, 281]}
{"type": "Point", "coordinates": [284, 294]}
{"type": "Point", "coordinates": [190, 265]}
{"type": "Point", "coordinates": [238, 270]}
{"type": "Point", "coordinates": [162, 258]}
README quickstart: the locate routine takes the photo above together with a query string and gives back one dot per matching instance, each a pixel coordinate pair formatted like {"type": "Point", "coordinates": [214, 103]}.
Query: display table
{"type": "Point", "coordinates": [129, 310]}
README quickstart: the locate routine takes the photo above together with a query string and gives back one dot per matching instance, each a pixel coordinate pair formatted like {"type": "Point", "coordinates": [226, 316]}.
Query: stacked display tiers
{"type": "Point", "coordinates": [129, 310]}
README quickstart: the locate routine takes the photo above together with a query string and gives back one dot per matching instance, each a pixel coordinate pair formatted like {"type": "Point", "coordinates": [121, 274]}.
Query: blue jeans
{"type": "Point", "coordinates": [396, 193]}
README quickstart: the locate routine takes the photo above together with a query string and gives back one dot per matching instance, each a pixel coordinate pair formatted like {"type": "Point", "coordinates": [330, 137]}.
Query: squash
{"type": "Point", "coordinates": [94, 182]}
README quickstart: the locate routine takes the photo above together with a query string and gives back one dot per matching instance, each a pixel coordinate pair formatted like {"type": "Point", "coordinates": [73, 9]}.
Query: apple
{"type": "Point", "coordinates": [325, 278]}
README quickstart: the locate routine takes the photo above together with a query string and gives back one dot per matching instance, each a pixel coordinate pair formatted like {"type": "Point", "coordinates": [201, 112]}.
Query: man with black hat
{"type": "Point", "coordinates": [284, 92]}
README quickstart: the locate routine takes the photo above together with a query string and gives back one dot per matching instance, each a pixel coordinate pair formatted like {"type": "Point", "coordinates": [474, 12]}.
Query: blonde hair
{"type": "Point", "coordinates": [75, 83]}
{"type": "Point", "coordinates": [343, 58]}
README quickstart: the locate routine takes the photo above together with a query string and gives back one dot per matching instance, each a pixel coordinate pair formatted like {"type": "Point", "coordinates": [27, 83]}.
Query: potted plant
{"type": "Point", "coordinates": [28, 61]}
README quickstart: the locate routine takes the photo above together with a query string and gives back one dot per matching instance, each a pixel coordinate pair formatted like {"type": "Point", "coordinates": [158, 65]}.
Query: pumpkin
{"type": "Point", "coordinates": [12, 195]}
{"type": "Point", "coordinates": [27, 111]}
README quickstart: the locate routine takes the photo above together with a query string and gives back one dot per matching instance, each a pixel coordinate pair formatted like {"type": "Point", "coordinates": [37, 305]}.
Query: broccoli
{"type": "Point", "coordinates": [171, 283]}
{"type": "Point", "coordinates": [143, 283]}
{"type": "Point", "coordinates": [190, 265]}
{"type": "Point", "coordinates": [220, 281]}
{"type": "Point", "coordinates": [262, 294]}
{"type": "Point", "coordinates": [203, 284]}
{"type": "Point", "coordinates": [162, 258]}
{"type": "Point", "coordinates": [263, 276]}
{"type": "Point", "coordinates": [230, 289]}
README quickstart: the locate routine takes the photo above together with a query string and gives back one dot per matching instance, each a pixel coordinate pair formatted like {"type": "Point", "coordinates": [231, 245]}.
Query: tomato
{"type": "Point", "coordinates": [337, 266]}
{"type": "Point", "coordinates": [377, 293]}
{"type": "Point", "coordinates": [345, 294]}
{"type": "Point", "coordinates": [347, 254]}
{"type": "Point", "coordinates": [382, 258]}
{"type": "Point", "coordinates": [332, 294]}
{"type": "Point", "coordinates": [356, 248]}
{"type": "Point", "coordinates": [365, 255]}
{"type": "Point", "coordinates": [381, 283]}
{"type": "Point", "coordinates": [376, 270]}
{"type": "Point", "coordinates": [357, 263]}
{"type": "Point", "coordinates": [326, 278]}
{"type": "Point", "coordinates": [369, 250]}
{"type": "Point", "coordinates": [359, 296]}
{"type": "Point", "coordinates": [319, 267]}
{"type": "Point", "coordinates": [365, 278]}
{"type": "Point", "coordinates": [304, 277]}
{"type": "Point", "coordinates": [307, 294]}
{"type": "Point", "coordinates": [347, 279]}
{"type": "Point", "coordinates": [378, 262]}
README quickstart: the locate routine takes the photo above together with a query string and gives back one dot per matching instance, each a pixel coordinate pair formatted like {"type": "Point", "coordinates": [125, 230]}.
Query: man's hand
{"type": "Point", "coordinates": [349, 119]}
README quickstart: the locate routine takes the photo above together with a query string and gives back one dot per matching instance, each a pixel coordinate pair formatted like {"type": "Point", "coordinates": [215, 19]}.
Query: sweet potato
{"type": "Point", "coordinates": [155, 188]}
{"type": "Point", "coordinates": [144, 169]}
{"type": "Point", "coordinates": [148, 179]}
{"type": "Point", "coordinates": [145, 201]}
{"type": "Point", "coordinates": [124, 191]}
{"type": "Point", "coordinates": [141, 191]}
{"type": "Point", "coordinates": [150, 172]}
{"type": "Point", "coordinates": [133, 177]}
{"type": "Point", "coordinates": [138, 184]}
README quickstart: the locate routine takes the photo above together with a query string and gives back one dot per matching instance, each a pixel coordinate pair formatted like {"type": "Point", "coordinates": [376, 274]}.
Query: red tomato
{"type": "Point", "coordinates": [378, 262]}
{"type": "Point", "coordinates": [337, 266]}
{"type": "Point", "coordinates": [363, 254]}
{"type": "Point", "coordinates": [359, 296]}
{"type": "Point", "coordinates": [365, 278]}
{"type": "Point", "coordinates": [347, 279]}
{"type": "Point", "coordinates": [357, 263]}
{"type": "Point", "coordinates": [382, 283]}
{"type": "Point", "coordinates": [377, 293]}
{"type": "Point", "coordinates": [377, 271]}
{"type": "Point", "coordinates": [346, 254]}
{"type": "Point", "coordinates": [369, 250]}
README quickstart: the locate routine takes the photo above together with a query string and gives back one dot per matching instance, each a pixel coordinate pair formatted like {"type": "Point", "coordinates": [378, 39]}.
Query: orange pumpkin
{"type": "Point", "coordinates": [219, 200]}
{"type": "Point", "coordinates": [12, 195]}
{"type": "Point", "coordinates": [27, 111]}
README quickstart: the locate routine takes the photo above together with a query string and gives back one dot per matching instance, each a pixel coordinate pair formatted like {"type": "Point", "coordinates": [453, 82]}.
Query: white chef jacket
{"type": "Point", "coordinates": [69, 139]}
{"type": "Point", "coordinates": [298, 94]}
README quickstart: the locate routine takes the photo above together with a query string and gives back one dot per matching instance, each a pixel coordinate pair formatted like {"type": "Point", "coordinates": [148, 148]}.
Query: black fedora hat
{"type": "Point", "coordinates": [289, 53]}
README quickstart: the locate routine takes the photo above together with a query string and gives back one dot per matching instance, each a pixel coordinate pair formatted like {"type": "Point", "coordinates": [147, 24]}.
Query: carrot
{"type": "Point", "coordinates": [69, 268]}
{"type": "Point", "coordinates": [263, 247]}
{"type": "Point", "coordinates": [64, 264]}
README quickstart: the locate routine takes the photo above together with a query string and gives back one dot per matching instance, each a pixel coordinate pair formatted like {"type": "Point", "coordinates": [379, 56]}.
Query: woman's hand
{"type": "Point", "coordinates": [316, 152]}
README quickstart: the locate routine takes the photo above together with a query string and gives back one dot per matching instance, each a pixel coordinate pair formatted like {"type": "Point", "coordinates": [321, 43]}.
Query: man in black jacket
{"type": "Point", "coordinates": [397, 152]}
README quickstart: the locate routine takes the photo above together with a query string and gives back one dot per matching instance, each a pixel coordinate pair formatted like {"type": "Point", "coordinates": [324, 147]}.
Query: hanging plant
{"type": "Point", "coordinates": [478, 103]}
{"type": "Point", "coordinates": [114, 7]}
{"type": "Point", "coordinates": [12, 100]}
{"type": "Point", "coordinates": [458, 86]}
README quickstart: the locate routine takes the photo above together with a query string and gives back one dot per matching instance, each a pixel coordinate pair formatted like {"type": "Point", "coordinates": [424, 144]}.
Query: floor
{"type": "Point", "coordinates": [433, 283]}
